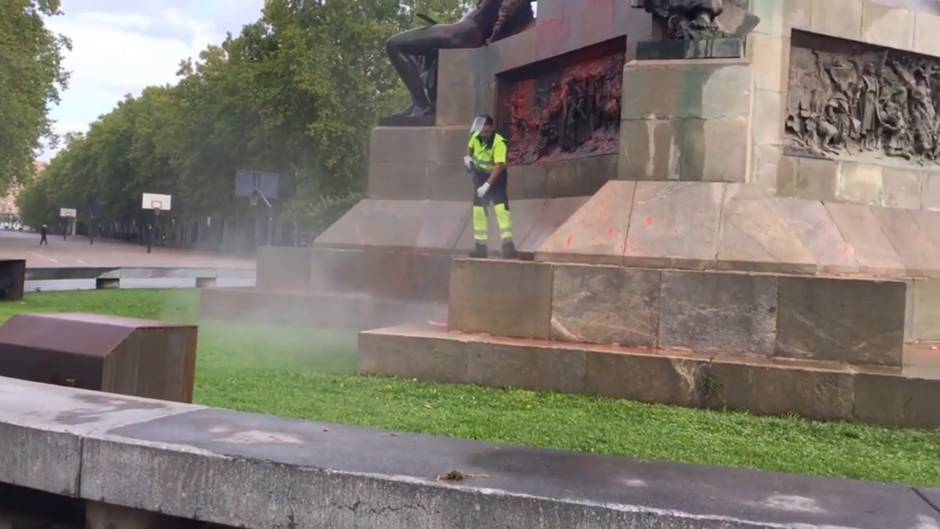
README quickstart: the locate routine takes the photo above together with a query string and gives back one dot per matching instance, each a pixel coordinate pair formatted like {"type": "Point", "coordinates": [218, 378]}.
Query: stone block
{"type": "Point", "coordinates": [768, 118]}
{"type": "Point", "coordinates": [755, 236]}
{"type": "Point", "coordinates": [399, 180]}
{"type": "Point", "coordinates": [501, 298]}
{"type": "Point", "coordinates": [902, 189]}
{"type": "Point", "coordinates": [556, 212]}
{"type": "Point", "coordinates": [378, 224]}
{"type": "Point", "coordinates": [931, 195]}
{"type": "Point", "coordinates": [860, 183]}
{"type": "Point", "coordinates": [526, 182]}
{"type": "Point", "coordinates": [863, 232]}
{"type": "Point", "coordinates": [409, 355]}
{"type": "Point", "coordinates": [430, 278]}
{"type": "Point", "coordinates": [774, 389]}
{"type": "Point", "coordinates": [797, 14]}
{"type": "Point", "coordinates": [927, 34]}
{"type": "Point", "coordinates": [813, 179]}
{"type": "Point", "coordinates": [838, 18]}
{"type": "Point", "coordinates": [446, 181]}
{"type": "Point", "coordinates": [812, 224]}
{"type": "Point", "coordinates": [442, 224]}
{"type": "Point", "coordinates": [654, 378]}
{"type": "Point", "coordinates": [925, 325]}
{"type": "Point", "coordinates": [510, 53]}
{"type": "Point", "coordinates": [605, 305]}
{"type": "Point", "coordinates": [283, 267]}
{"type": "Point", "coordinates": [909, 313]}
{"type": "Point", "coordinates": [579, 178]}
{"type": "Point", "coordinates": [891, 400]}
{"type": "Point", "coordinates": [526, 367]}
{"type": "Point", "coordinates": [597, 232]}
{"type": "Point", "coordinates": [687, 89]}
{"type": "Point", "coordinates": [769, 55]}
{"type": "Point", "coordinates": [418, 144]}
{"type": "Point", "coordinates": [886, 26]}
{"type": "Point", "coordinates": [842, 320]}
{"type": "Point", "coordinates": [709, 312]}
{"type": "Point", "coordinates": [685, 149]}
{"type": "Point", "coordinates": [340, 270]}
{"type": "Point", "coordinates": [919, 254]}
{"type": "Point", "coordinates": [674, 225]}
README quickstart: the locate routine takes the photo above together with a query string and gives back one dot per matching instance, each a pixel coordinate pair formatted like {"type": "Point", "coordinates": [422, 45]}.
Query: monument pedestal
{"type": "Point", "coordinates": [686, 120]}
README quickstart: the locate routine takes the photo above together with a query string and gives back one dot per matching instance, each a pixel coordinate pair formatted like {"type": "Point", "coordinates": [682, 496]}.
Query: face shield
{"type": "Point", "coordinates": [477, 125]}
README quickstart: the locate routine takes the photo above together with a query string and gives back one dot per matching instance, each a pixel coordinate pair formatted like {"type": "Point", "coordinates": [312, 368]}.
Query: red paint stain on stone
{"type": "Point", "coordinates": [568, 242]}
{"type": "Point", "coordinates": [649, 221]}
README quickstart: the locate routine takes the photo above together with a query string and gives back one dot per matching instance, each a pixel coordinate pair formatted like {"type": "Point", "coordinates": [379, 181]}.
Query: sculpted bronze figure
{"type": "Point", "coordinates": [687, 19]}
{"type": "Point", "coordinates": [414, 53]}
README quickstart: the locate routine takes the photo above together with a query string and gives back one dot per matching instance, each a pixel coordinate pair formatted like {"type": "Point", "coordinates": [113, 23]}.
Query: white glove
{"type": "Point", "coordinates": [468, 162]}
{"type": "Point", "coordinates": [483, 190]}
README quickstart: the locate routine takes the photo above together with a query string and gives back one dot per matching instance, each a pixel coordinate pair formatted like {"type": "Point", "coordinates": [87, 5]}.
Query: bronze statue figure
{"type": "Point", "coordinates": [687, 19]}
{"type": "Point", "coordinates": [414, 53]}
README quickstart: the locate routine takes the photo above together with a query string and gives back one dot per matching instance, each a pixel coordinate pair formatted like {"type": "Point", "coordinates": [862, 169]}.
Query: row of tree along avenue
{"type": "Point", "coordinates": [294, 93]}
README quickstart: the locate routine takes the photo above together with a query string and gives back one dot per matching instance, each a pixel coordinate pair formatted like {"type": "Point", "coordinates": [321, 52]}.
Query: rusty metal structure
{"type": "Point", "coordinates": [104, 353]}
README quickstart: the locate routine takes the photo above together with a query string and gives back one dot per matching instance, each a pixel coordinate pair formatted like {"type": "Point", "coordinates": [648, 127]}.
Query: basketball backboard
{"type": "Point", "coordinates": [156, 202]}
{"type": "Point", "coordinates": [248, 183]}
{"type": "Point", "coordinates": [68, 213]}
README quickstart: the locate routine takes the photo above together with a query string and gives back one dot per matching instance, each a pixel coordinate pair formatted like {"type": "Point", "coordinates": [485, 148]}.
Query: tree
{"type": "Point", "coordinates": [297, 93]}
{"type": "Point", "coordinates": [31, 76]}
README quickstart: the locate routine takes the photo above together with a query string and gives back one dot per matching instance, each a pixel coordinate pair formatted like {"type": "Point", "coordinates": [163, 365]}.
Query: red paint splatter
{"type": "Point", "coordinates": [649, 221]}
{"type": "Point", "coordinates": [568, 242]}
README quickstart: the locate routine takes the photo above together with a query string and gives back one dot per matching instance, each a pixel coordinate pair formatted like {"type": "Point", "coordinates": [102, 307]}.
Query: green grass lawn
{"type": "Point", "coordinates": [311, 375]}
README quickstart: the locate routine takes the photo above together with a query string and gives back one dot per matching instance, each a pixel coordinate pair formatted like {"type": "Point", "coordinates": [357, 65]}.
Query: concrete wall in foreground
{"type": "Point", "coordinates": [136, 457]}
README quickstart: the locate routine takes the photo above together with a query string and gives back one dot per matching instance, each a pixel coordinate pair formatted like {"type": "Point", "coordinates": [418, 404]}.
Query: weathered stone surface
{"type": "Point", "coordinates": [767, 54]}
{"type": "Point", "coordinates": [555, 213]}
{"type": "Point", "coordinates": [528, 367]}
{"type": "Point", "coordinates": [412, 354]}
{"type": "Point", "coordinates": [916, 249]}
{"type": "Point", "coordinates": [377, 223]}
{"type": "Point", "coordinates": [645, 377]}
{"type": "Point", "coordinates": [902, 189]}
{"type": "Point", "coordinates": [861, 183]}
{"type": "Point", "coordinates": [863, 232]}
{"type": "Point", "coordinates": [606, 305]}
{"type": "Point", "coordinates": [595, 233]}
{"type": "Point", "coordinates": [755, 236]}
{"type": "Point", "coordinates": [674, 225]}
{"type": "Point", "coordinates": [773, 389]}
{"type": "Point", "coordinates": [811, 223]}
{"type": "Point", "coordinates": [896, 401]}
{"type": "Point", "coordinates": [442, 224]}
{"type": "Point", "coordinates": [813, 179]}
{"type": "Point", "coordinates": [526, 182]}
{"type": "Point", "coordinates": [931, 195]}
{"type": "Point", "coordinates": [579, 178]}
{"type": "Point", "coordinates": [687, 89]}
{"type": "Point", "coordinates": [709, 312]}
{"type": "Point", "coordinates": [925, 324]}
{"type": "Point", "coordinates": [280, 267]}
{"type": "Point", "coordinates": [858, 322]}
{"type": "Point", "coordinates": [886, 26]}
{"type": "Point", "coordinates": [437, 144]}
{"type": "Point", "coordinates": [839, 18]}
{"type": "Point", "coordinates": [726, 48]}
{"type": "Point", "coordinates": [501, 298]}
{"type": "Point", "coordinates": [927, 34]}
{"type": "Point", "coordinates": [714, 150]}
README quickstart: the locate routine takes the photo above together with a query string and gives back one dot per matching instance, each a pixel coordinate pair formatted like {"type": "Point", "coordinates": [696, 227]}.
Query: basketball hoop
{"type": "Point", "coordinates": [253, 199]}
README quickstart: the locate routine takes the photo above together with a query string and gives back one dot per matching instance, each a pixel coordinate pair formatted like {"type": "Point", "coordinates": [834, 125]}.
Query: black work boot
{"type": "Point", "coordinates": [479, 252]}
{"type": "Point", "coordinates": [509, 250]}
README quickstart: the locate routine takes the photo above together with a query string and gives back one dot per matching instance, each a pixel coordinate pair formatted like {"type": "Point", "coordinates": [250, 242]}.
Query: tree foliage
{"type": "Point", "coordinates": [295, 92]}
{"type": "Point", "coordinates": [31, 76]}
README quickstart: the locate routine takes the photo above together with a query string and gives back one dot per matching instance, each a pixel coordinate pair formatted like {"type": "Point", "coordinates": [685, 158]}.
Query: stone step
{"type": "Point", "coordinates": [899, 397]}
{"type": "Point", "coordinates": [821, 318]}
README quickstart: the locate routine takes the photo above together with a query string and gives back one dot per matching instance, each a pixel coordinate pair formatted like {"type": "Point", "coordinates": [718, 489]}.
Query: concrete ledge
{"type": "Point", "coordinates": [768, 386]}
{"type": "Point", "coordinates": [261, 472]}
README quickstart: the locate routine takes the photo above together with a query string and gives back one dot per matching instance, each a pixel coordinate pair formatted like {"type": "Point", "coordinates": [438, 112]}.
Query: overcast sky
{"type": "Point", "coordinates": [120, 47]}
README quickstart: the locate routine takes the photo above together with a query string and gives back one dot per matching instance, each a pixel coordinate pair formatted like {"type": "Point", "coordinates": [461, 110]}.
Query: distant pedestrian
{"type": "Point", "coordinates": [43, 234]}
